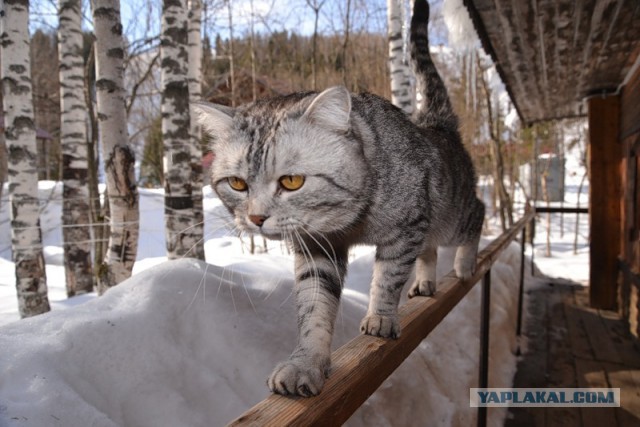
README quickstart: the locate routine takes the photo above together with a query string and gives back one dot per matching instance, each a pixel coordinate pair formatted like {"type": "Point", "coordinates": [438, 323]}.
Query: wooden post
{"type": "Point", "coordinates": [605, 192]}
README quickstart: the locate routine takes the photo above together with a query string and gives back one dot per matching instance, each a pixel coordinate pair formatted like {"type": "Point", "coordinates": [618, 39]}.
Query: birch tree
{"type": "Point", "coordinates": [117, 154]}
{"type": "Point", "coordinates": [20, 135]}
{"type": "Point", "coordinates": [401, 92]}
{"type": "Point", "coordinates": [179, 213]}
{"type": "Point", "coordinates": [73, 135]}
{"type": "Point", "coordinates": [3, 165]}
{"type": "Point", "coordinates": [345, 45]}
{"type": "Point", "coordinates": [315, 5]}
{"type": "Point", "coordinates": [232, 73]}
{"type": "Point", "coordinates": [195, 94]}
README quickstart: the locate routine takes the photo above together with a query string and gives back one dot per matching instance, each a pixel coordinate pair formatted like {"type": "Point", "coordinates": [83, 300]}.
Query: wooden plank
{"type": "Point", "coordinates": [628, 381]}
{"type": "Point", "coordinates": [628, 208]}
{"type": "Point", "coordinates": [592, 374]}
{"type": "Point", "coordinates": [580, 346]}
{"type": "Point", "coordinates": [621, 339]}
{"type": "Point", "coordinates": [531, 370]}
{"type": "Point", "coordinates": [604, 198]}
{"type": "Point", "coordinates": [361, 365]}
{"type": "Point", "coordinates": [628, 220]}
{"type": "Point", "coordinates": [604, 349]}
{"type": "Point", "coordinates": [560, 366]}
{"type": "Point", "coordinates": [630, 107]}
{"type": "Point", "coordinates": [599, 325]}
{"type": "Point", "coordinates": [634, 312]}
{"type": "Point", "coordinates": [581, 296]}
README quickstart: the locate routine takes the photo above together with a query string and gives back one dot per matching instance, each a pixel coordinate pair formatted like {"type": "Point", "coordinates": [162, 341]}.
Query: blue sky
{"type": "Point", "coordinates": [141, 17]}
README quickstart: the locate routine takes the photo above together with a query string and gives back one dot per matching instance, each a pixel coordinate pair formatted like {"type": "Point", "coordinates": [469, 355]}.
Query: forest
{"type": "Point", "coordinates": [107, 110]}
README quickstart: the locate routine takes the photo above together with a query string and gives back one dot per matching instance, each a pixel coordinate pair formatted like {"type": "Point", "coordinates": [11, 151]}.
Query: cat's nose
{"type": "Point", "coordinates": [258, 219]}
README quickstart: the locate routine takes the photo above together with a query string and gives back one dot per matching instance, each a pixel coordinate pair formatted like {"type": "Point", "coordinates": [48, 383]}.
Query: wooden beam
{"type": "Point", "coordinates": [605, 177]}
{"type": "Point", "coordinates": [362, 364]}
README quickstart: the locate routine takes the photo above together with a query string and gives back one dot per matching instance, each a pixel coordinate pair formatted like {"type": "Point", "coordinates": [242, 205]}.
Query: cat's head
{"type": "Point", "coordinates": [288, 164]}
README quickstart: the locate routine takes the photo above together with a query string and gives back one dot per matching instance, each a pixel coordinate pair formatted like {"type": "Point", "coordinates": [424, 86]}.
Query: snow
{"type": "Point", "coordinates": [562, 262]}
{"type": "Point", "coordinates": [191, 343]}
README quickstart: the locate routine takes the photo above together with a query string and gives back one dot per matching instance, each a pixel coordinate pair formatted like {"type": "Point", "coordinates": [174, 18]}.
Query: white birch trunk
{"type": "Point", "coordinates": [118, 156]}
{"type": "Point", "coordinates": [3, 165]}
{"type": "Point", "coordinates": [20, 135]}
{"type": "Point", "coordinates": [76, 219]}
{"type": "Point", "coordinates": [401, 91]}
{"type": "Point", "coordinates": [195, 94]}
{"type": "Point", "coordinates": [176, 128]}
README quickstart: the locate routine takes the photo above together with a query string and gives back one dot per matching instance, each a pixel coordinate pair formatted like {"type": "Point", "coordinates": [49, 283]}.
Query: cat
{"type": "Point", "coordinates": [329, 170]}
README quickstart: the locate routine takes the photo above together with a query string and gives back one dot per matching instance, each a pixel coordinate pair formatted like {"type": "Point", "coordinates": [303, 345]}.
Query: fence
{"type": "Point", "coordinates": [361, 365]}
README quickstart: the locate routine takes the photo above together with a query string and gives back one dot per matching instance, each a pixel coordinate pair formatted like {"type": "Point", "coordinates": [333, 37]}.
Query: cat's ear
{"type": "Point", "coordinates": [331, 108]}
{"type": "Point", "coordinates": [215, 119]}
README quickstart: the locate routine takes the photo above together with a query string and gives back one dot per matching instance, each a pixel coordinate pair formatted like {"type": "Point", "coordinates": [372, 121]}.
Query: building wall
{"type": "Point", "coordinates": [629, 295]}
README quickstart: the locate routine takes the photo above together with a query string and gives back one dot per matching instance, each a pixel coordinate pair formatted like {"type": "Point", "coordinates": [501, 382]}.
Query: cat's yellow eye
{"type": "Point", "coordinates": [292, 182]}
{"type": "Point", "coordinates": [237, 184]}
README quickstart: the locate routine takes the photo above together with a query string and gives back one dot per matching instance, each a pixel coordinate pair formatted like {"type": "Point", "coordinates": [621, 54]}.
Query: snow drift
{"type": "Point", "coordinates": [191, 344]}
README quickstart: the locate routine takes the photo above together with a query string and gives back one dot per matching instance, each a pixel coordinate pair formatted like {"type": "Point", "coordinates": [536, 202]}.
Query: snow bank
{"type": "Point", "coordinates": [190, 344]}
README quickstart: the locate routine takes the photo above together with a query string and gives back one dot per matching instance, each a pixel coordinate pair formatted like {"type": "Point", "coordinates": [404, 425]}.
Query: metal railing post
{"type": "Point", "coordinates": [521, 288]}
{"type": "Point", "coordinates": [485, 311]}
{"type": "Point", "coordinates": [533, 246]}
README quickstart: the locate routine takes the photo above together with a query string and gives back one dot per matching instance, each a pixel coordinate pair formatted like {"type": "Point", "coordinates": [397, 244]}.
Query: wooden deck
{"type": "Point", "coordinates": [571, 345]}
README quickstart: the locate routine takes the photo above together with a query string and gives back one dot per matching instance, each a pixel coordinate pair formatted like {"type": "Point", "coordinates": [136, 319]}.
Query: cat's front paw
{"type": "Point", "coordinates": [298, 377]}
{"type": "Point", "coordinates": [425, 288]}
{"type": "Point", "coordinates": [380, 326]}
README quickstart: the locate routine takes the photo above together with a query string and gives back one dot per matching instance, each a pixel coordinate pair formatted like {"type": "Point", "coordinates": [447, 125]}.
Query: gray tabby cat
{"type": "Point", "coordinates": [329, 170]}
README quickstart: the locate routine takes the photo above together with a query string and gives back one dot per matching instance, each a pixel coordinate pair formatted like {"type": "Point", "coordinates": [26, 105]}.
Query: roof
{"type": "Point", "coordinates": [552, 54]}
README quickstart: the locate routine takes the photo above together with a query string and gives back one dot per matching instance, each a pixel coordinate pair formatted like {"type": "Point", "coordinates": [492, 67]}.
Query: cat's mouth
{"type": "Point", "coordinates": [267, 232]}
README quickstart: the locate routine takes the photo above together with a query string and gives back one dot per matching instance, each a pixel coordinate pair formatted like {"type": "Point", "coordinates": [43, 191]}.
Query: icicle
{"type": "Point", "coordinates": [467, 70]}
{"type": "Point", "coordinates": [462, 34]}
{"type": "Point", "coordinates": [474, 78]}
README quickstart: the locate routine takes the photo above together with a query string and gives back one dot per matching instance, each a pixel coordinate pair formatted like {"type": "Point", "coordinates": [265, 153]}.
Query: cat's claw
{"type": "Point", "coordinates": [380, 326]}
{"type": "Point", "coordinates": [425, 288]}
{"type": "Point", "coordinates": [297, 377]}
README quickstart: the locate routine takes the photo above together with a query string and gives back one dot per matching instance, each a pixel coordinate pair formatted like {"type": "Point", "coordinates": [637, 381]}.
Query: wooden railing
{"type": "Point", "coordinates": [362, 364]}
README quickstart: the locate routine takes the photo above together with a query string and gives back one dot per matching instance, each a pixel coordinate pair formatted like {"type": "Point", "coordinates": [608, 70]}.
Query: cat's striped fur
{"type": "Point", "coordinates": [371, 175]}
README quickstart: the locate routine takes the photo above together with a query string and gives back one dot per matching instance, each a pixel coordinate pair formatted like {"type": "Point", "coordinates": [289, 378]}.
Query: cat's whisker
{"type": "Point", "coordinates": [244, 286]}
{"type": "Point", "coordinates": [311, 264]}
{"type": "Point", "coordinates": [202, 285]}
{"type": "Point", "coordinates": [289, 238]}
{"type": "Point", "coordinates": [332, 259]}
{"type": "Point", "coordinates": [233, 300]}
{"type": "Point", "coordinates": [190, 227]}
{"type": "Point", "coordinates": [303, 250]}
{"type": "Point", "coordinates": [333, 262]}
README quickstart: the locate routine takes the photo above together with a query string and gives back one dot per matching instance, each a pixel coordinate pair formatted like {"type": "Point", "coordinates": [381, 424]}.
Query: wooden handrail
{"type": "Point", "coordinates": [362, 364]}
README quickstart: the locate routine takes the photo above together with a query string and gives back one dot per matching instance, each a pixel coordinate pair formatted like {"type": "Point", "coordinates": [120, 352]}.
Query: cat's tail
{"type": "Point", "coordinates": [435, 109]}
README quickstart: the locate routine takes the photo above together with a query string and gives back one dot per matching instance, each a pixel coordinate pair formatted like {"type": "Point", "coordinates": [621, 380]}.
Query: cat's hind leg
{"type": "Point", "coordinates": [467, 252]}
{"type": "Point", "coordinates": [465, 261]}
{"type": "Point", "coordinates": [425, 283]}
